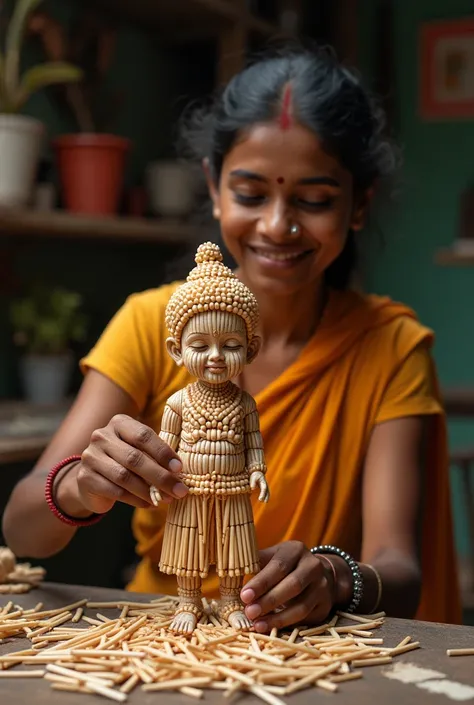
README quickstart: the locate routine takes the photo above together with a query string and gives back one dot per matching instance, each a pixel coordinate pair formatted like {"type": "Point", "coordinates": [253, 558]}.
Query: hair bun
{"type": "Point", "coordinates": [208, 252]}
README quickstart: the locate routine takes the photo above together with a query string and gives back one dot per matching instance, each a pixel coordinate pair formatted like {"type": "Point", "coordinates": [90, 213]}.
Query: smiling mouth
{"type": "Point", "coordinates": [281, 255]}
{"type": "Point", "coordinates": [216, 369]}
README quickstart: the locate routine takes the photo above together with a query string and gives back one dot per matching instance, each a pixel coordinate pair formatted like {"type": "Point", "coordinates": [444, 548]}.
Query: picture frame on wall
{"type": "Point", "coordinates": [446, 88]}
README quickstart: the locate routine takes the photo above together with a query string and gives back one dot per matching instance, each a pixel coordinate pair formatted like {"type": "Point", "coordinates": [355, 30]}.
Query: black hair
{"type": "Point", "coordinates": [325, 97]}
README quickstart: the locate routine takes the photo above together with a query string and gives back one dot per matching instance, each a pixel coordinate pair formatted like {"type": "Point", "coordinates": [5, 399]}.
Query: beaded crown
{"type": "Point", "coordinates": [210, 286]}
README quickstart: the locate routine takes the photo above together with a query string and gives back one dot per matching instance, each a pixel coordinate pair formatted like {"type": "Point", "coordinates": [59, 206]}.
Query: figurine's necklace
{"type": "Point", "coordinates": [206, 404]}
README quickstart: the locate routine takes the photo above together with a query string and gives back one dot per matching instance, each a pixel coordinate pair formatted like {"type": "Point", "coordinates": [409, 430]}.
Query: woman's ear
{"type": "Point", "coordinates": [253, 348]}
{"type": "Point", "coordinates": [361, 207]}
{"type": "Point", "coordinates": [213, 190]}
{"type": "Point", "coordinates": [174, 350]}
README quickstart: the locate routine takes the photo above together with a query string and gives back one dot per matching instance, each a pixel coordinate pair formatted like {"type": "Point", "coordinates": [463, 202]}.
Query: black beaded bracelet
{"type": "Point", "coordinates": [357, 579]}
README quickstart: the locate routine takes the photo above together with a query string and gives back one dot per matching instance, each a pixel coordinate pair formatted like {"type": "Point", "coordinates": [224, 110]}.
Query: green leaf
{"type": "Point", "coordinates": [44, 75]}
{"type": "Point", "coordinates": [48, 319]}
{"type": "Point", "coordinates": [14, 39]}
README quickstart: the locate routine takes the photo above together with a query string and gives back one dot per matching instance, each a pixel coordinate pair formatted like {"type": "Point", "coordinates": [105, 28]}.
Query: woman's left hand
{"type": "Point", "coordinates": [293, 579]}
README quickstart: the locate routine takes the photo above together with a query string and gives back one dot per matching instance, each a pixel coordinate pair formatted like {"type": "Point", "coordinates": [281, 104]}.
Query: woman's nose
{"type": "Point", "coordinates": [275, 222]}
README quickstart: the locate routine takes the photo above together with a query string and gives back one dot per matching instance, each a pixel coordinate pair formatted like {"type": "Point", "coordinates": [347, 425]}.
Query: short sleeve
{"type": "Point", "coordinates": [126, 350]}
{"type": "Point", "coordinates": [412, 390]}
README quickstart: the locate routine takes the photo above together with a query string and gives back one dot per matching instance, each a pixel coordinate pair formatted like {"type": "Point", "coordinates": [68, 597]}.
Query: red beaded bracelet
{"type": "Point", "coordinates": [65, 518]}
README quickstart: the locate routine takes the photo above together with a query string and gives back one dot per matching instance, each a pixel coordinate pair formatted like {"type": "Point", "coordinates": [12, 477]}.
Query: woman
{"type": "Point", "coordinates": [346, 389]}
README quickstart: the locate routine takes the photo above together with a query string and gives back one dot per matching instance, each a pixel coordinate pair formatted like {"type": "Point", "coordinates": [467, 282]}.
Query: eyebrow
{"type": "Point", "coordinates": [244, 174]}
{"type": "Point", "coordinates": [309, 181]}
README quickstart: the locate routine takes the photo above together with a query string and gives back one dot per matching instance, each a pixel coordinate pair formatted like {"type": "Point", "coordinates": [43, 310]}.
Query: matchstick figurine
{"type": "Point", "coordinates": [214, 427]}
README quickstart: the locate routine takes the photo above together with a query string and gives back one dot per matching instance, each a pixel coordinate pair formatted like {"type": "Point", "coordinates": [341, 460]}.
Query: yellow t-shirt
{"type": "Point", "coordinates": [368, 362]}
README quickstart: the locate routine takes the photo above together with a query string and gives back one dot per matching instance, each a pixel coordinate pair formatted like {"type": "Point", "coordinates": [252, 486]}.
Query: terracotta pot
{"type": "Point", "coordinates": [91, 169]}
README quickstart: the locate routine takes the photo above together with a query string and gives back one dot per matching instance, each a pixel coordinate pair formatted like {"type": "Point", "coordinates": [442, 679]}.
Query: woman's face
{"type": "Point", "coordinates": [272, 179]}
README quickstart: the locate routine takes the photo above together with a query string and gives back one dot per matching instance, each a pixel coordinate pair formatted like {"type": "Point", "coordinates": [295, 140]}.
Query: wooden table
{"type": "Point", "coordinates": [373, 687]}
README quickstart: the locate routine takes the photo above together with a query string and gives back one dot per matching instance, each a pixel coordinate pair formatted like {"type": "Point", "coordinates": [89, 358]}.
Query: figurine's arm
{"type": "Point", "coordinates": [171, 422]}
{"type": "Point", "coordinates": [170, 432]}
{"type": "Point", "coordinates": [254, 454]}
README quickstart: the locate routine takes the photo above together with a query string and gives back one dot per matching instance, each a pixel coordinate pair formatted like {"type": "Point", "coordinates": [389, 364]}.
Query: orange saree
{"type": "Point", "coordinates": [367, 363]}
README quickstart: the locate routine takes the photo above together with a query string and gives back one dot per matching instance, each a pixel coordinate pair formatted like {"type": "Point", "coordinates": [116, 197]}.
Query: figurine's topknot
{"type": "Point", "coordinates": [210, 286]}
{"type": "Point", "coordinates": [208, 252]}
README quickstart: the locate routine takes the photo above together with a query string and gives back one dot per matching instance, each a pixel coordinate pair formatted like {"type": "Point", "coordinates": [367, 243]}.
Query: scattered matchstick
{"type": "Point", "coordinates": [460, 652]}
{"type": "Point", "coordinates": [132, 649]}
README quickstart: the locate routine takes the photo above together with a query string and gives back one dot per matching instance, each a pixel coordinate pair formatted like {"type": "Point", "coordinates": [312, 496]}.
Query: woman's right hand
{"type": "Point", "coordinates": [120, 464]}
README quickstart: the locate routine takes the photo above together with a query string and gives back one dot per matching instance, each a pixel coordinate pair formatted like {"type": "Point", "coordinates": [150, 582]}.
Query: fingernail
{"type": "Point", "coordinates": [175, 465]}
{"type": "Point", "coordinates": [253, 611]}
{"type": "Point", "coordinates": [247, 595]}
{"type": "Point", "coordinates": [261, 626]}
{"type": "Point", "coordinates": [180, 490]}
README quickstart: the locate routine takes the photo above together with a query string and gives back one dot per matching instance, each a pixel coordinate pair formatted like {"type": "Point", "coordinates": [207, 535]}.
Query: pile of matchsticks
{"type": "Point", "coordinates": [17, 578]}
{"type": "Point", "coordinates": [133, 649]}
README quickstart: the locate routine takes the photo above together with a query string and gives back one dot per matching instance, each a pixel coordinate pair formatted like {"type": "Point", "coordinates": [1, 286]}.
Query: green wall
{"type": "Point", "coordinates": [438, 165]}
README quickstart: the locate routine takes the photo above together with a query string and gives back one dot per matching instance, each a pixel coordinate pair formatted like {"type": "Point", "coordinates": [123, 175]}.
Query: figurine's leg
{"type": "Point", "coordinates": [231, 606]}
{"type": "Point", "coordinates": [190, 605]}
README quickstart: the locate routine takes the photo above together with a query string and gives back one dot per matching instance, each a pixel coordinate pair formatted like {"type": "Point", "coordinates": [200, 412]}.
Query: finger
{"type": "Point", "coordinates": [266, 554]}
{"type": "Point", "coordinates": [144, 438]}
{"type": "Point", "coordinates": [100, 463]}
{"type": "Point", "coordinates": [295, 613]}
{"type": "Point", "coordinates": [253, 481]}
{"type": "Point", "coordinates": [98, 494]}
{"type": "Point", "coordinates": [263, 492]}
{"type": "Point", "coordinates": [278, 567]}
{"type": "Point", "coordinates": [290, 587]}
{"type": "Point", "coordinates": [140, 465]}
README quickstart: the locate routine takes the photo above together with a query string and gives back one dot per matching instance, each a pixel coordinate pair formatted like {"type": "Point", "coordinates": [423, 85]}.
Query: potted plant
{"type": "Point", "coordinates": [21, 135]}
{"type": "Point", "coordinates": [45, 323]}
{"type": "Point", "coordinates": [91, 161]}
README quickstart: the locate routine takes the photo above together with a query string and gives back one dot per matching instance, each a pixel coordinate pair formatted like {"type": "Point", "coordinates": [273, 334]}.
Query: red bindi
{"type": "Point", "coordinates": [280, 180]}
{"type": "Point", "coordinates": [285, 117]}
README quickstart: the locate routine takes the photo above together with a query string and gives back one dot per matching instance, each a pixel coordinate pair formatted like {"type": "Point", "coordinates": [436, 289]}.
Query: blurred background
{"type": "Point", "coordinates": [73, 247]}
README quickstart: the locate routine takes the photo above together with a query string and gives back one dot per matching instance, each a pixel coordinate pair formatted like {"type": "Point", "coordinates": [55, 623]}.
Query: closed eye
{"type": "Point", "coordinates": [245, 200]}
{"type": "Point", "coordinates": [314, 205]}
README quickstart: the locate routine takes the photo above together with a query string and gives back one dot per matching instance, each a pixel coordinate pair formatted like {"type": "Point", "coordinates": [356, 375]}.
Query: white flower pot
{"type": "Point", "coordinates": [45, 378]}
{"type": "Point", "coordinates": [171, 188]}
{"type": "Point", "coordinates": [21, 139]}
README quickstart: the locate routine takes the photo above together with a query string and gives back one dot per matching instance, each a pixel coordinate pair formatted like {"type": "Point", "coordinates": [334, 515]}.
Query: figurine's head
{"type": "Point", "coordinates": [212, 319]}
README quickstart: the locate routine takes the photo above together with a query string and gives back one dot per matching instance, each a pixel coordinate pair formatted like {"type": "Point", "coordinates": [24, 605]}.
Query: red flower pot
{"type": "Point", "coordinates": [91, 169]}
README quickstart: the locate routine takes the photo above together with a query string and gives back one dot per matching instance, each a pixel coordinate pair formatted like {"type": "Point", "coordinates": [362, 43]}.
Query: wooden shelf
{"type": "Point", "coordinates": [181, 19]}
{"type": "Point", "coordinates": [26, 429]}
{"type": "Point", "coordinates": [451, 257]}
{"type": "Point", "coordinates": [66, 225]}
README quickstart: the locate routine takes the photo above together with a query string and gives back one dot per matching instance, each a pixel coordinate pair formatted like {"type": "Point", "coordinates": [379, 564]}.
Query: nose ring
{"type": "Point", "coordinates": [295, 229]}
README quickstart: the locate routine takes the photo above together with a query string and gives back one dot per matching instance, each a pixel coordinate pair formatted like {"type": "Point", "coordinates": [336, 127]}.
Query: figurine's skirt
{"type": "Point", "coordinates": [202, 530]}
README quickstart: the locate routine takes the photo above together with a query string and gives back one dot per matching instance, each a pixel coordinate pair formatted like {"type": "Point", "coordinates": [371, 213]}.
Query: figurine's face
{"type": "Point", "coordinates": [214, 347]}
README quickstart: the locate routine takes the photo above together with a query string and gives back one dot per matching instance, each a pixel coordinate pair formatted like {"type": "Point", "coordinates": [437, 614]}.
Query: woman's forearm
{"type": "Point", "coordinates": [29, 527]}
{"type": "Point", "coordinates": [400, 576]}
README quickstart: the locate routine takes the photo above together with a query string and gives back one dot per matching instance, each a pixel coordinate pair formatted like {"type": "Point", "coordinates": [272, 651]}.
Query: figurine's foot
{"type": "Point", "coordinates": [185, 619]}
{"type": "Point", "coordinates": [239, 621]}
{"type": "Point", "coordinates": [233, 612]}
